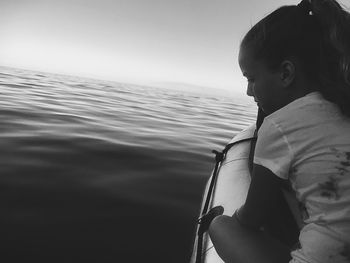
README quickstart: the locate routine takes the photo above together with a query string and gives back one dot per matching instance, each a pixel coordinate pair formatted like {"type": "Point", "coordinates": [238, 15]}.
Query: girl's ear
{"type": "Point", "coordinates": [287, 73]}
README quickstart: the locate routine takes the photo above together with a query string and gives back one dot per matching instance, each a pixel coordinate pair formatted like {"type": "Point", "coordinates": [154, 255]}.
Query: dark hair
{"type": "Point", "coordinates": [317, 33]}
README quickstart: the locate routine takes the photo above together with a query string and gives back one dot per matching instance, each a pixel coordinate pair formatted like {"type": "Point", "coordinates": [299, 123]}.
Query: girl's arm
{"type": "Point", "coordinates": [263, 192]}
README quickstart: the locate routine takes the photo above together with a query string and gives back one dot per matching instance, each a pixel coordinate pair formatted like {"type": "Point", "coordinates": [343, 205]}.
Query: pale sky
{"type": "Point", "coordinates": [135, 41]}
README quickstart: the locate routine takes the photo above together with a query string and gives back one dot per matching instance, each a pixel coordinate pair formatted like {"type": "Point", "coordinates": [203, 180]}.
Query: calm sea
{"type": "Point", "coordinates": [96, 171]}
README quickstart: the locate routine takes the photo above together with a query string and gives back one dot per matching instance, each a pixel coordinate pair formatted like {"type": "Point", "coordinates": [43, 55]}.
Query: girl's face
{"type": "Point", "coordinates": [263, 83]}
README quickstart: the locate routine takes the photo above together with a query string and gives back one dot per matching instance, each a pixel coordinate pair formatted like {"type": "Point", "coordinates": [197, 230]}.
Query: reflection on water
{"type": "Point", "coordinates": [95, 171]}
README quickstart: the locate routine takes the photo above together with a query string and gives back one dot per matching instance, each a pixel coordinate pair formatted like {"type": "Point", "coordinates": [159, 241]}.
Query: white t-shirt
{"type": "Point", "coordinates": [308, 143]}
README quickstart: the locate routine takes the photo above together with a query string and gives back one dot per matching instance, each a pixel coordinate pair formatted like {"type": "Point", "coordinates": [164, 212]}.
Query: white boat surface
{"type": "Point", "coordinates": [231, 187]}
{"type": "Point", "coordinates": [230, 191]}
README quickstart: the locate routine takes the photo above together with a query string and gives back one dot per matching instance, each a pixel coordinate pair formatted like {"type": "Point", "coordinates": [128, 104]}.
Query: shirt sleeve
{"type": "Point", "coordinates": [273, 150]}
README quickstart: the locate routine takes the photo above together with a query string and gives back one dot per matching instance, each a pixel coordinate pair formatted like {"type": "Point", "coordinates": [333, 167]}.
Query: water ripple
{"type": "Point", "coordinates": [84, 161]}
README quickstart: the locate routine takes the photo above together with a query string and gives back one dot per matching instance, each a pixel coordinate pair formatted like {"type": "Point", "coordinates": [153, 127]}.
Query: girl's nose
{"type": "Point", "coordinates": [250, 91]}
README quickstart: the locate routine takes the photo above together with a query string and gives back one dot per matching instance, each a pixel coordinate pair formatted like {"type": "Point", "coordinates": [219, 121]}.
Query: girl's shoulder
{"type": "Point", "coordinates": [310, 110]}
{"type": "Point", "coordinates": [306, 125]}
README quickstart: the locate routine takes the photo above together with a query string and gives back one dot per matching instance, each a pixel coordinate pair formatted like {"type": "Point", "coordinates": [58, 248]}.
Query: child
{"type": "Point", "coordinates": [297, 62]}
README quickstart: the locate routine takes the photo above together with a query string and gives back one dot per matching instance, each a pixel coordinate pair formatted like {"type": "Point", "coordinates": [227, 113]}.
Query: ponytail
{"type": "Point", "coordinates": [335, 52]}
